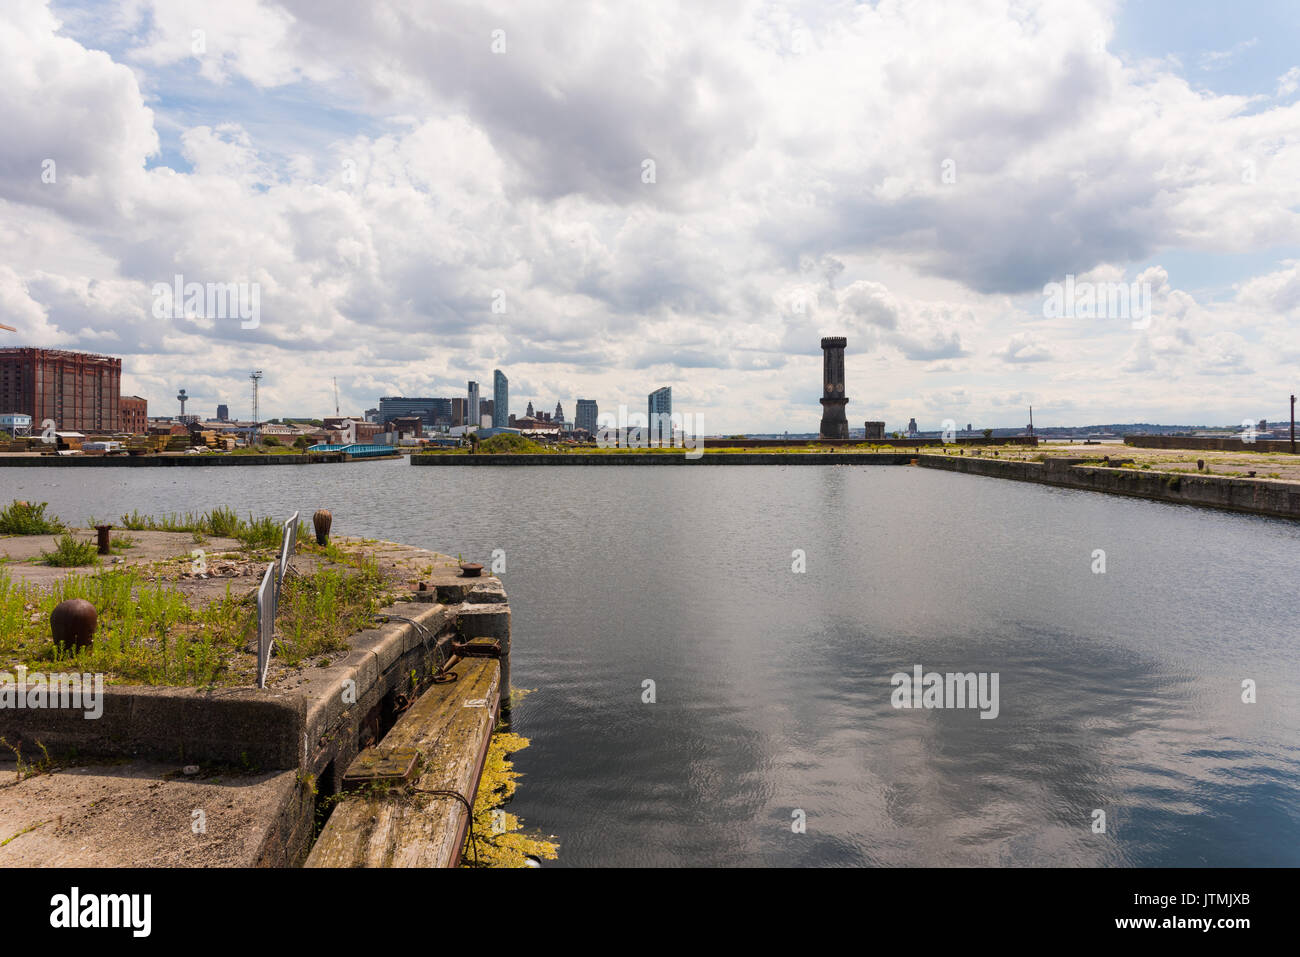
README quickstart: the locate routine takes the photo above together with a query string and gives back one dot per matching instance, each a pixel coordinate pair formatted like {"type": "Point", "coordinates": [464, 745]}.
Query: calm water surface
{"type": "Point", "coordinates": [1119, 691]}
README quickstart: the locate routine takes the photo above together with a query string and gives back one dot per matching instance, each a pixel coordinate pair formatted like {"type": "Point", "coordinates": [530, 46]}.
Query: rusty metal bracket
{"type": "Point", "coordinates": [382, 766]}
{"type": "Point", "coordinates": [477, 648]}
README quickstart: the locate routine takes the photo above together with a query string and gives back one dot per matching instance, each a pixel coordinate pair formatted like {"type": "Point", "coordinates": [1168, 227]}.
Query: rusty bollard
{"type": "Point", "coordinates": [105, 542]}
{"type": "Point", "coordinates": [322, 521]}
{"type": "Point", "coordinates": [73, 622]}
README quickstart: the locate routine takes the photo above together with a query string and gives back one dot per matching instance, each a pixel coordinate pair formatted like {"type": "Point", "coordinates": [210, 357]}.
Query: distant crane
{"type": "Point", "coordinates": [336, 396]}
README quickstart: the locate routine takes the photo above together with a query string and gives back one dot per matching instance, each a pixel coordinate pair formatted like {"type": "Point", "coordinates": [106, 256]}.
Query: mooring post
{"type": "Point", "coordinates": [504, 696]}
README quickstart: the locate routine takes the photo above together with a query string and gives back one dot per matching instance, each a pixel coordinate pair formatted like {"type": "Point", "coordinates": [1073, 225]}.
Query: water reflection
{"type": "Point", "coordinates": [1119, 692]}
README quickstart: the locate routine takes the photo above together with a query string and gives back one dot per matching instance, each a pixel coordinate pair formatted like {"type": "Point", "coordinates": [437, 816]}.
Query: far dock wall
{"type": "Point", "coordinates": [1257, 496]}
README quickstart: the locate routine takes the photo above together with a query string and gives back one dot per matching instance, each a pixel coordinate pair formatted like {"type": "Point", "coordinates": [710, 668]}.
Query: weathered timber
{"type": "Point", "coordinates": [405, 826]}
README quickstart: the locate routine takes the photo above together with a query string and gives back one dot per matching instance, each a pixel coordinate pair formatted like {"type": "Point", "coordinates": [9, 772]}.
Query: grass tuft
{"type": "Point", "coordinates": [71, 552]}
{"type": "Point", "coordinates": [23, 518]}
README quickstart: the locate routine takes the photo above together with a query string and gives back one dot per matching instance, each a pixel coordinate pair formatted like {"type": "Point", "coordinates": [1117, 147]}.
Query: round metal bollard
{"type": "Point", "coordinates": [322, 520]}
{"type": "Point", "coordinates": [73, 622]}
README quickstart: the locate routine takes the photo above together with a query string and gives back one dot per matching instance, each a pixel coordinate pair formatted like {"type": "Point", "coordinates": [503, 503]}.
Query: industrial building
{"type": "Point", "coordinates": [78, 391]}
{"type": "Point", "coordinates": [135, 414]}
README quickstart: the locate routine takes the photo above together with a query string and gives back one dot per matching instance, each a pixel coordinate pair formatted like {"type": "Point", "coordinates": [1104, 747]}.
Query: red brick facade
{"type": "Point", "coordinates": [135, 415]}
{"type": "Point", "coordinates": [80, 391]}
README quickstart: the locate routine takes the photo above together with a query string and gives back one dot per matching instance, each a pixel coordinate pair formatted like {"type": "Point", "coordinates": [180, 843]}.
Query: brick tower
{"type": "Point", "coordinates": [835, 425]}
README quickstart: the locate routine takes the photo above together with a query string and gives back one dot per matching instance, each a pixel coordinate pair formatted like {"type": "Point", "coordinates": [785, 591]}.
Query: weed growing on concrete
{"type": "Point", "coordinates": [29, 769]}
{"type": "Point", "coordinates": [70, 552]}
{"type": "Point", "coordinates": [23, 518]}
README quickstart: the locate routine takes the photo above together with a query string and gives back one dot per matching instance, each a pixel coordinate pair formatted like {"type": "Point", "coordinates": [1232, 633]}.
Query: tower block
{"type": "Point", "coordinates": [835, 424]}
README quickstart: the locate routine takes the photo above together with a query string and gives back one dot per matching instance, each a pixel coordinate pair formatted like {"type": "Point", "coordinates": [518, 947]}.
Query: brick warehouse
{"type": "Point", "coordinates": [135, 415]}
{"type": "Point", "coordinates": [80, 391]}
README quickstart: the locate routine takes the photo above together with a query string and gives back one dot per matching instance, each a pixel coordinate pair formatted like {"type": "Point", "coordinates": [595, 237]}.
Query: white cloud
{"type": "Point", "coordinates": [797, 194]}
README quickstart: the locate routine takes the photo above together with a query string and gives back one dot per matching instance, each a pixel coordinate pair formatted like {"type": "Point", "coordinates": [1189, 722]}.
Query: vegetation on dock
{"type": "Point", "coordinates": [24, 518]}
{"type": "Point", "coordinates": [221, 522]}
{"type": "Point", "coordinates": [499, 839]}
{"type": "Point", "coordinates": [507, 443]}
{"type": "Point", "coordinates": [152, 631]}
{"type": "Point", "coordinates": [71, 552]}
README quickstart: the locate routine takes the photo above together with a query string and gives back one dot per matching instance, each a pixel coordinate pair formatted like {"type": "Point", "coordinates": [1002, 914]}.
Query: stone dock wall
{"type": "Point", "coordinates": [1257, 496]}
{"type": "Point", "coordinates": [180, 461]}
{"type": "Point", "coordinates": [314, 723]}
{"type": "Point", "coordinates": [672, 458]}
{"type": "Point", "coordinates": [1206, 443]}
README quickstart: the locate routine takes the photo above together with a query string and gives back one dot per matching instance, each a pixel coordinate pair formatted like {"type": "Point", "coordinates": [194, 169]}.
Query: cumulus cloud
{"type": "Point", "coordinates": [1024, 347]}
{"type": "Point", "coordinates": [426, 192]}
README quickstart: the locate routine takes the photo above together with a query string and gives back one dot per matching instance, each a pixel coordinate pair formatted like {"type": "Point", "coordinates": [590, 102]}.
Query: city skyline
{"type": "Point", "coordinates": [692, 245]}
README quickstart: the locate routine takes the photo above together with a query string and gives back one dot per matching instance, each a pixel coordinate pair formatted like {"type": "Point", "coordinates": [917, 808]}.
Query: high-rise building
{"type": "Point", "coordinates": [559, 412]}
{"type": "Point", "coordinates": [473, 408]}
{"type": "Point", "coordinates": [586, 415]}
{"type": "Point", "coordinates": [835, 424]}
{"type": "Point", "coordinates": [485, 413]}
{"type": "Point", "coordinates": [78, 391]}
{"type": "Point", "coordinates": [500, 399]}
{"type": "Point", "coordinates": [458, 406]}
{"type": "Point", "coordinates": [911, 427]}
{"type": "Point", "coordinates": [529, 411]}
{"type": "Point", "coordinates": [223, 413]}
{"type": "Point", "coordinates": [660, 418]}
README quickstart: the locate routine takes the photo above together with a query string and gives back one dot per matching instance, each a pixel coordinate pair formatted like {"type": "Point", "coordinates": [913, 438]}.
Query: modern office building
{"type": "Point", "coordinates": [500, 399]}
{"type": "Point", "coordinates": [660, 416]}
{"type": "Point", "coordinates": [473, 406]}
{"type": "Point", "coordinates": [79, 391]}
{"type": "Point", "coordinates": [223, 413]}
{"type": "Point", "coordinates": [457, 411]}
{"type": "Point", "coordinates": [486, 413]}
{"type": "Point", "coordinates": [436, 412]}
{"type": "Point", "coordinates": [586, 415]}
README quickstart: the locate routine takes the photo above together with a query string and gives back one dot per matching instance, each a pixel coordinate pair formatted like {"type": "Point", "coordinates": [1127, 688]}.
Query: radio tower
{"type": "Point", "coordinates": [183, 399]}
{"type": "Point", "coordinates": [256, 376]}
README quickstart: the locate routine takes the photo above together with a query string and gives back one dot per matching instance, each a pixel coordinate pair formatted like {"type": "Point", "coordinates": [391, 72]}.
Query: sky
{"type": "Point", "coordinates": [600, 199]}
